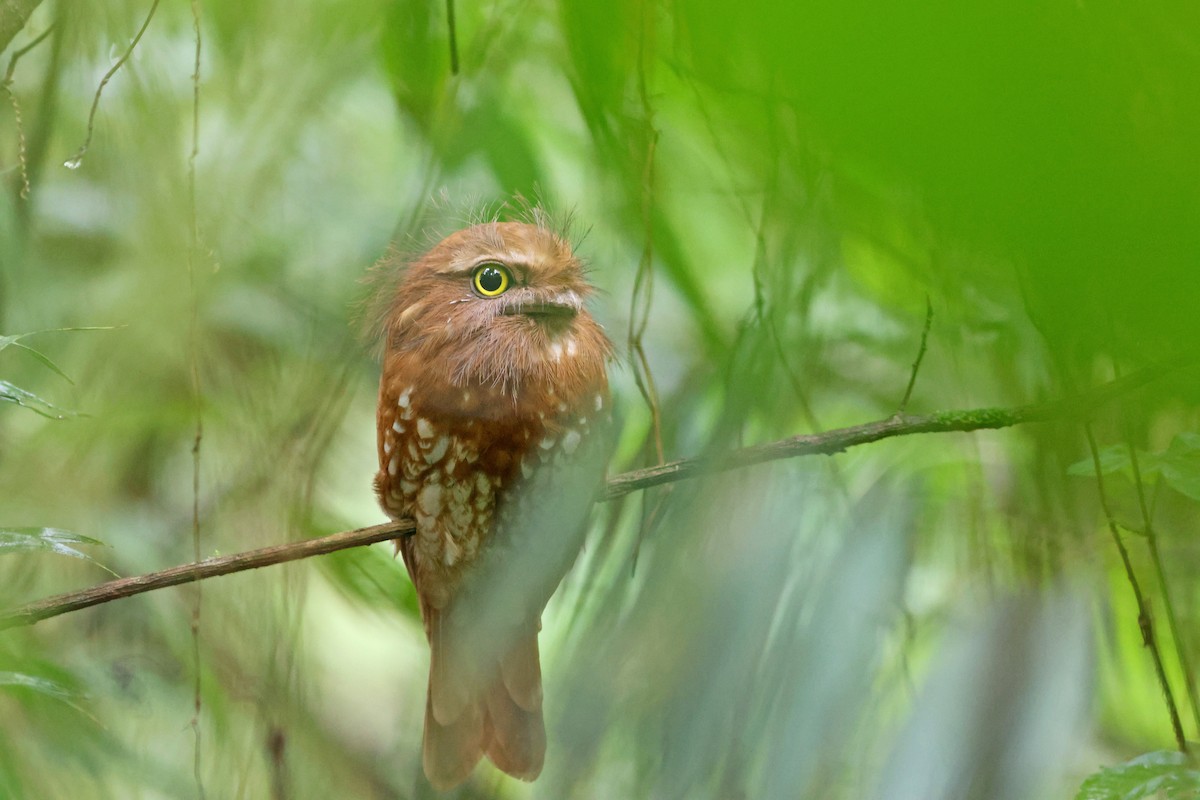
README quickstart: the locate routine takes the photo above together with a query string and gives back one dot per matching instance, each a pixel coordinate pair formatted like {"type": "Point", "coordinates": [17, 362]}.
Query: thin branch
{"type": "Point", "coordinates": [197, 394]}
{"type": "Point", "coordinates": [45, 117]}
{"type": "Point", "coordinates": [912, 378]}
{"type": "Point", "coordinates": [1144, 620]}
{"type": "Point", "coordinates": [6, 85]}
{"type": "Point", "coordinates": [840, 439]}
{"type": "Point", "coordinates": [1181, 651]}
{"type": "Point", "coordinates": [74, 161]}
{"type": "Point", "coordinates": [208, 568]}
{"type": "Point", "coordinates": [827, 443]}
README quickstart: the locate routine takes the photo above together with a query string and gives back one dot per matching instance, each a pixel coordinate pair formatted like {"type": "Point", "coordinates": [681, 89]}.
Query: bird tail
{"type": "Point", "coordinates": [503, 720]}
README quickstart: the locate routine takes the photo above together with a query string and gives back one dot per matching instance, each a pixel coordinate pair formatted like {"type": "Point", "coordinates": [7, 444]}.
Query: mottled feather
{"type": "Point", "coordinates": [480, 398]}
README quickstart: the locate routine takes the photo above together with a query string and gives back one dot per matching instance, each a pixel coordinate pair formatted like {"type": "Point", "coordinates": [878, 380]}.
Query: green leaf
{"type": "Point", "coordinates": [53, 540]}
{"type": "Point", "coordinates": [1181, 464]}
{"type": "Point", "coordinates": [1165, 771]}
{"type": "Point", "coordinates": [26, 399]}
{"type": "Point", "coordinates": [1113, 458]}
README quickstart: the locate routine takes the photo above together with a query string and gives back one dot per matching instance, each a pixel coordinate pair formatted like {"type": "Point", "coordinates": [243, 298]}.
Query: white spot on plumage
{"type": "Point", "coordinates": [387, 447]}
{"type": "Point", "coordinates": [429, 499]}
{"type": "Point", "coordinates": [556, 351]}
{"type": "Point", "coordinates": [438, 450]}
{"type": "Point", "coordinates": [397, 427]}
{"type": "Point", "coordinates": [570, 441]}
{"type": "Point", "coordinates": [599, 401]}
{"type": "Point", "coordinates": [451, 550]}
{"type": "Point", "coordinates": [405, 398]}
{"type": "Point", "coordinates": [526, 470]}
{"type": "Point", "coordinates": [408, 487]}
{"type": "Point", "coordinates": [482, 482]}
{"type": "Point", "coordinates": [562, 408]}
{"type": "Point", "coordinates": [393, 465]}
{"type": "Point", "coordinates": [571, 347]}
{"type": "Point", "coordinates": [466, 396]}
{"type": "Point", "coordinates": [546, 443]}
{"type": "Point", "coordinates": [424, 428]}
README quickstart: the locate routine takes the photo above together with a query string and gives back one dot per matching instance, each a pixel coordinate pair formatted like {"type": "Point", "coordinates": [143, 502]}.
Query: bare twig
{"type": "Point", "coordinates": [1181, 650]}
{"type": "Point", "coordinates": [840, 439]}
{"type": "Point", "coordinates": [74, 161]}
{"type": "Point", "coordinates": [6, 85]}
{"type": "Point", "coordinates": [208, 568]}
{"type": "Point", "coordinates": [912, 378]}
{"type": "Point", "coordinates": [197, 396]}
{"type": "Point", "coordinates": [1145, 622]}
{"type": "Point", "coordinates": [828, 443]}
{"type": "Point", "coordinates": [45, 115]}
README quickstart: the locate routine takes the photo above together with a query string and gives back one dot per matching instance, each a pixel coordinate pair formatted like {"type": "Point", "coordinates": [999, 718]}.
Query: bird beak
{"type": "Point", "coordinates": [545, 306]}
{"type": "Point", "coordinates": [541, 310]}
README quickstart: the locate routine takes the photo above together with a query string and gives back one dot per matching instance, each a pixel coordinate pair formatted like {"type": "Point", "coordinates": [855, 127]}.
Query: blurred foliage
{"type": "Point", "coordinates": [930, 616]}
{"type": "Point", "coordinates": [1159, 774]}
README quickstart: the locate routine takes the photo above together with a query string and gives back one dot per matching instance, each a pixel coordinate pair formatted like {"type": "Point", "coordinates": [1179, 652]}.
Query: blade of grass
{"type": "Point", "coordinates": [27, 399]}
{"type": "Point", "coordinates": [54, 540]}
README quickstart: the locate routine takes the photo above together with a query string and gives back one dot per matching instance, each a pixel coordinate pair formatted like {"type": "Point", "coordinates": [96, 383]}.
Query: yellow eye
{"type": "Point", "coordinates": [491, 280]}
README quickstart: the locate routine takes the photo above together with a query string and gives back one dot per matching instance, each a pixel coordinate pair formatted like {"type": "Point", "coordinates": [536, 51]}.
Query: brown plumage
{"type": "Point", "coordinates": [492, 365]}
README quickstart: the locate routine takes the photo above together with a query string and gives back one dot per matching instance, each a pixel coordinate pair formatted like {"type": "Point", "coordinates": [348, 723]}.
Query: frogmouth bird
{"type": "Point", "coordinates": [494, 373]}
